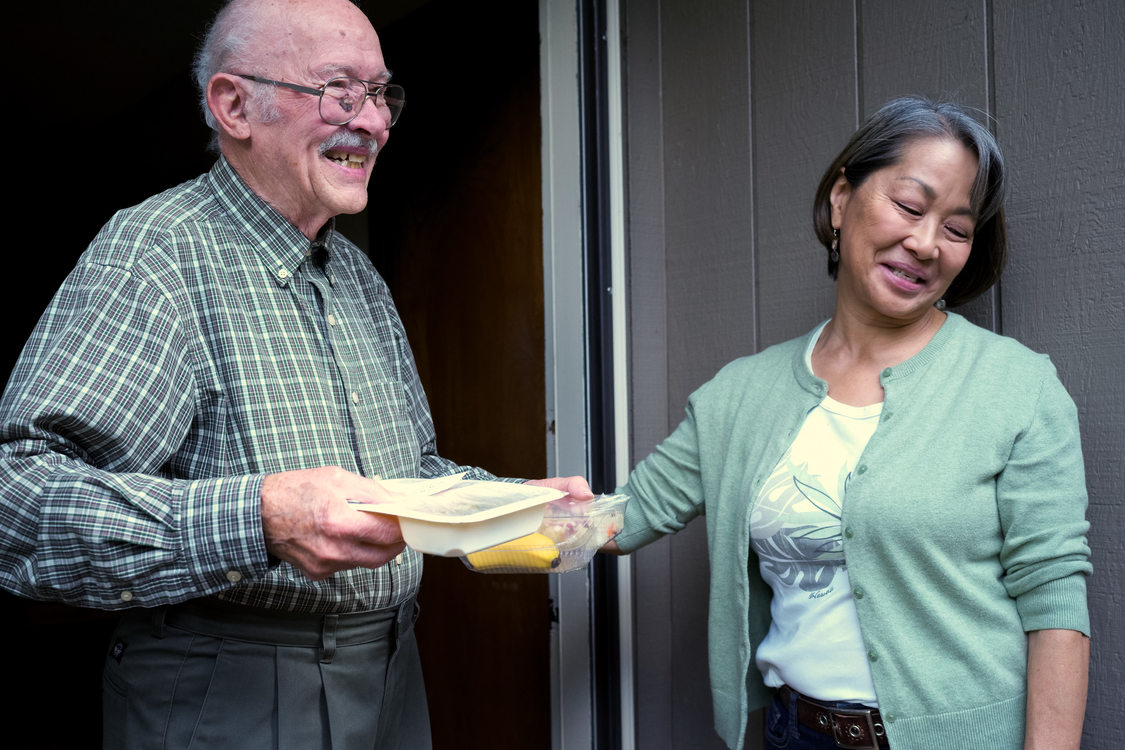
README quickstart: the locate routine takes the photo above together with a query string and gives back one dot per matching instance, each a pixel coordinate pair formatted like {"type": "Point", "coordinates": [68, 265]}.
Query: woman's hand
{"type": "Point", "coordinates": [1058, 665]}
{"type": "Point", "coordinates": [576, 488]}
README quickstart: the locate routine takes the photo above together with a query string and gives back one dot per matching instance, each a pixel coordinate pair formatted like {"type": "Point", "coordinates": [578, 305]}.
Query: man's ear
{"type": "Point", "coordinates": [226, 98]}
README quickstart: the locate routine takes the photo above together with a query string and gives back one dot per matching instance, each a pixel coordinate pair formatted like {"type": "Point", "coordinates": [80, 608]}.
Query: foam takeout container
{"type": "Point", "coordinates": [452, 517]}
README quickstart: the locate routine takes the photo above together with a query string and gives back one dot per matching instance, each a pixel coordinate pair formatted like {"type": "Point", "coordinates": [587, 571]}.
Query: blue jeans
{"type": "Point", "coordinates": [783, 732]}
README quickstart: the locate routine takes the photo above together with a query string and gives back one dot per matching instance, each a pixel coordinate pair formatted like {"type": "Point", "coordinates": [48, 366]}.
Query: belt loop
{"type": "Point", "coordinates": [156, 621]}
{"type": "Point", "coordinates": [794, 720]}
{"type": "Point", "coordinates": [328, 638]}
{"type": "Point", "coordinates": [405, 617]}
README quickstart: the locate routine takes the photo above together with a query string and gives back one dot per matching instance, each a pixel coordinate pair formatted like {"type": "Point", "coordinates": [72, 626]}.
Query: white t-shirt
{"type": "Point", "coordinates": [814, 643]}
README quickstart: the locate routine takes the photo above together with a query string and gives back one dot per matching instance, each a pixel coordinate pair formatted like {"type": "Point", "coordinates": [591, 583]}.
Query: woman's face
{"type": "Point", "coordinates": [905, 232]}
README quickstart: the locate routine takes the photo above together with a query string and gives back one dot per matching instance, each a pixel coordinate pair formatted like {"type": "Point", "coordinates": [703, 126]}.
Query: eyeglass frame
{"type": "Point", "coordinates": [379, 88]}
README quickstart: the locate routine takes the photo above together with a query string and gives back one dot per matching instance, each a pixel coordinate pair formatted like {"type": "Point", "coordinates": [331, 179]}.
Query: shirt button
{"type": "Point", "coordinates": [234, 576]}
{"type": "Point", "coordinates": [283, 273]}
{"type": "Point", "coordinates": [355, 397]}
{"type": "Point", "coordinates": [331, 320]}
{"type": "Point", "coordinates": [398, 559]}
{"type": "Point", "coordinates": [126, 596]}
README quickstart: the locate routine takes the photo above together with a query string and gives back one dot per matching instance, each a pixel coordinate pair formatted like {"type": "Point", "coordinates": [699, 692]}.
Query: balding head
{"type": "Point", "coordinates": [246, 33]}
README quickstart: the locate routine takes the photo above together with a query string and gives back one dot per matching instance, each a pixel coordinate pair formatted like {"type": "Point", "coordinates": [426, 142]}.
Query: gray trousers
{"type": "Point", "coordinates": [207, 675]}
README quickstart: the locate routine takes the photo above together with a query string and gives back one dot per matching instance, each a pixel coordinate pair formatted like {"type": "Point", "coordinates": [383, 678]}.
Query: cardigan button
{"type": "Point", "coordinates": [849, 533]}
{"type": "Point", "coordinates": [887, 372]}
{"type": "Point", "coordinates": [872, 656]}
{"type": "Point", "coordinates": [857, 592]}
{"type": "Point", "coordinates": [862, 469]}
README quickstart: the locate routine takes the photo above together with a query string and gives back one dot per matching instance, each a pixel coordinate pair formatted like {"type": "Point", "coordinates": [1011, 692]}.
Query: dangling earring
{"type": "Point", "coordinates": [834, 255]}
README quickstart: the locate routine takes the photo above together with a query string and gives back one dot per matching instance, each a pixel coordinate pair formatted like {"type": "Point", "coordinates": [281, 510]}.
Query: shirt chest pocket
{"type": "Point", "coordinates": [385, 429]}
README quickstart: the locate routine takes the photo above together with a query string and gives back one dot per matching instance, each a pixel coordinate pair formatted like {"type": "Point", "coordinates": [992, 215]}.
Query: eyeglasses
{"type": "Point", "coordinates": [342, 98]}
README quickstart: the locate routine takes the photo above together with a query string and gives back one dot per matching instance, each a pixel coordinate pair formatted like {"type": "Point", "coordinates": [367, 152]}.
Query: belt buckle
{"type": "Point", "coordinates": [850, 716]}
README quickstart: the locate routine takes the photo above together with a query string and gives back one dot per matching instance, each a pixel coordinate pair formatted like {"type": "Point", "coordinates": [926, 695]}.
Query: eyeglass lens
{"type": "Point", "coordinates": [344, 98]}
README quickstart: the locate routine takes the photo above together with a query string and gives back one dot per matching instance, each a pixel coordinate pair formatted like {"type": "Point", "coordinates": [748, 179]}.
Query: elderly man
{"type": "Point", "coordinates": [217, 378]}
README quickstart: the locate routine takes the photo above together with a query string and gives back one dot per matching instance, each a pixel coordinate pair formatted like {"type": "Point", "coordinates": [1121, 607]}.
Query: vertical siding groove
{"type": "Point", "coordinates": [995, 301]}
{"type": "Point", "coordinates": [857, 60]}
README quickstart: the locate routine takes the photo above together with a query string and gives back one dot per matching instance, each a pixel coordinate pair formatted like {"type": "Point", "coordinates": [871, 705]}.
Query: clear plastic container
{"type": "Point", "coordinates": [569, 536]}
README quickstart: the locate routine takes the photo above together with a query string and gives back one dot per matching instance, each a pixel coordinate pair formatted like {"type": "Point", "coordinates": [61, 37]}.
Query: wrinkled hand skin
{"type": "Point", "coordinates": [307, 521]}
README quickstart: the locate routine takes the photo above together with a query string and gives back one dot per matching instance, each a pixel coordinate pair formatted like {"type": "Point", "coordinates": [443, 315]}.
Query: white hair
{"type": "Point", "coordinates": [229, 45]}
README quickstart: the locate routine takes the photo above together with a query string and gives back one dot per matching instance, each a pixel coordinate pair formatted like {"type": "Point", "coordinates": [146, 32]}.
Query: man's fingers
{"type": "Point", "coordinates": [308, 521]}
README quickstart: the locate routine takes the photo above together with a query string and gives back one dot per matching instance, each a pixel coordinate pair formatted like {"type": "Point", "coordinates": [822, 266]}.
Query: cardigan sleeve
{"type": "Point", "coordinates": [1041, 496]}
{"type": "Point", "coordinates": [666, 489]}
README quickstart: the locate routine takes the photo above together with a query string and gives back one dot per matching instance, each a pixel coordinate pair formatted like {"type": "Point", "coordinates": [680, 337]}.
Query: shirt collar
{"type": "Point", "coordinates": [281, 246]}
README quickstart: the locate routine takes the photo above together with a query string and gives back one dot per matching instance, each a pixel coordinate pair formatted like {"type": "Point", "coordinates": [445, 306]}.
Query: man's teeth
{"type": "Point", "coordinates": [355, 161]}
{"type": "Point", "coordinates": [903, 274]}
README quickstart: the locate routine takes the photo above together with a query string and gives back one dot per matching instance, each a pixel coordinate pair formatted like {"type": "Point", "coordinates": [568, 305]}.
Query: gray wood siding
{"type": "Point", "coordinates": [733, 110]}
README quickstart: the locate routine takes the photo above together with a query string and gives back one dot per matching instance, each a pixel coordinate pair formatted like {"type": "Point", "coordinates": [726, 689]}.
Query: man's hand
{"type": "Point", "coordinates": [308, 522]}
{"type": "Point", "coordinates": [576, 488]}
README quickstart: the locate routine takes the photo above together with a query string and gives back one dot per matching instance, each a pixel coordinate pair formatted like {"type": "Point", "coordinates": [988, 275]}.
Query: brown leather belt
{"type": "Point", "coordinates": [851, 728]}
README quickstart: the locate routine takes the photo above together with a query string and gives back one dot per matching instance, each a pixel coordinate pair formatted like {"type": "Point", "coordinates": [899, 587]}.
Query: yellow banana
{"type": "Point", "coordinates": [532, 552]}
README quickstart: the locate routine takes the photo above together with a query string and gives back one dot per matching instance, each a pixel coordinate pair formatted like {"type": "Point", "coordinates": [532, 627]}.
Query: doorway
{"type": "Point", "coordinates": [453, 223]}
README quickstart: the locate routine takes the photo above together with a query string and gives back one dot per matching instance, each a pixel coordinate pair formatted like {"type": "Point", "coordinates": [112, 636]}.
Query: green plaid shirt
{"type": "Point", "coordinates": [201, 343]}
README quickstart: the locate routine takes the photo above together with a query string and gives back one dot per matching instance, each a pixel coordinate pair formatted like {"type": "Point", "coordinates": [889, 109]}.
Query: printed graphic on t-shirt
{"type": "Point", "coordinates": [795, 527]}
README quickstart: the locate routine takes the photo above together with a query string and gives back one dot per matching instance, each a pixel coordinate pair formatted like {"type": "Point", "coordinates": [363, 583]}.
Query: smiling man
{"type": "Point", "coordinates": [220, 374]}
{"type": "Point", "coordinates": [312, 154]}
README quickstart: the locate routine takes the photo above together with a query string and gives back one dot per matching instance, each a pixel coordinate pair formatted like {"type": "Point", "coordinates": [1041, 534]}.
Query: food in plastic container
{"type": "Point", "coordinates": [534, 551]}
{"type": "Point", "coordinates": [567, 539]}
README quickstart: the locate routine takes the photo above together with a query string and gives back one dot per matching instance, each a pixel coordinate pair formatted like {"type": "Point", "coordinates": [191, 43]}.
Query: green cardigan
{"type": "Point", "coordinates": [964, 526]}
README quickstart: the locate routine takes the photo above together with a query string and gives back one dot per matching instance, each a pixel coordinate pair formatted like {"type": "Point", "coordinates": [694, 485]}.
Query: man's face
{"type": "Point", "coordinates": [307, 169]}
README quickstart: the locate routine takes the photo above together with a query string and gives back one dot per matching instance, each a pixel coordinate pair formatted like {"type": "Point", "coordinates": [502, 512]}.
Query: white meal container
{"type": "Point", "coordinates": [467, 516]}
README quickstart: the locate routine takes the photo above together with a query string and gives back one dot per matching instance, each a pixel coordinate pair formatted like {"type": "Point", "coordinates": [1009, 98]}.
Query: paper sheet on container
{"type": "Point", "coordinates": [454, 499]}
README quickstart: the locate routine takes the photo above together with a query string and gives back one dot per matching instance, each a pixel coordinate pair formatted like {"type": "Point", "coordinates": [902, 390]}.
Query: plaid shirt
{"type": "Point", "coordinates": [201, 343]}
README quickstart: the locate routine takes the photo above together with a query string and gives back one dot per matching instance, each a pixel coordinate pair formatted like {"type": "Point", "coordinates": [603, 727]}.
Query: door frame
{"type": "Point", "coordinates": [580, 717]}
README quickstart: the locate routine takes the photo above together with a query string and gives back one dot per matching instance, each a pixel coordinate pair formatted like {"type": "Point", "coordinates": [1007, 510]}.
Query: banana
{"type": "Point", "coordinates": [532, 552]}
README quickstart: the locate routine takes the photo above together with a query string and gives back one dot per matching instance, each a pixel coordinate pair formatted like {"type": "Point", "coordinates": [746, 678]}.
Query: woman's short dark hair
{"type": "Point", "coordinates": [879, 143]}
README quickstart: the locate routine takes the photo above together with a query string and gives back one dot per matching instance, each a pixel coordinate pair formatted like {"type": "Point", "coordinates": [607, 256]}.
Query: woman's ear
{"type": "Point", "coordinates": [838, 198]}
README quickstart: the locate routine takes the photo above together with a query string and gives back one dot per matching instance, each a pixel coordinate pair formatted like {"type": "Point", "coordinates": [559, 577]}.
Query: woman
{"type": "Point", "coordinates": [894, 502]}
